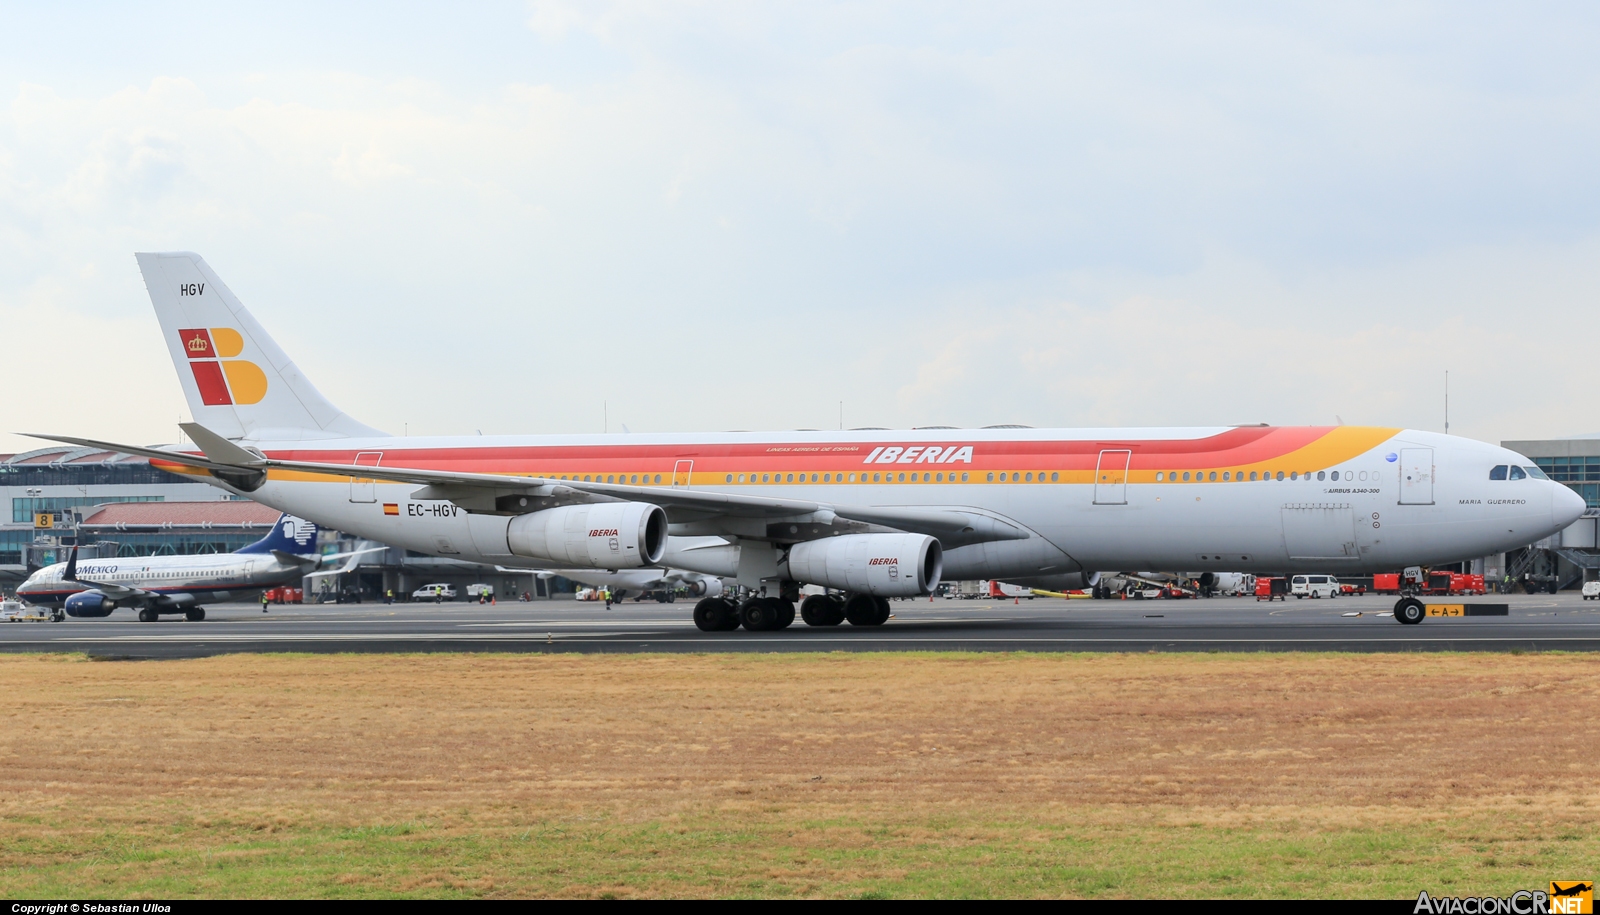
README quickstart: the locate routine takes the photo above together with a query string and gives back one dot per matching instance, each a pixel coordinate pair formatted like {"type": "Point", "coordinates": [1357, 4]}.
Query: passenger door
{"type": "Point", "coordinates": [681, 473]}
{"type": "Point", "coordinates": [362, 490]}
{"type": "Point", "coordinates": [1111, 477]}
{"type": "Point", "coordinates": [1416, 476]}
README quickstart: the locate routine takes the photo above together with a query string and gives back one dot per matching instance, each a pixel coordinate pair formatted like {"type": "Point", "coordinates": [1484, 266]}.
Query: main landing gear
{"type": "Point", "coordinates": [758, 614]}
{"type": "Point", "coordinates": [831, 610]}
{"type": "Point", "coordinates": [152, 615]}
{"type": "Point", "coordinates": [768, 614]}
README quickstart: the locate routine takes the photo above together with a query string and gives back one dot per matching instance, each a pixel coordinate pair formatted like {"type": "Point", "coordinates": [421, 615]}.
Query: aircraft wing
{"type": "Point", "coordinates": [115, 592]}
{"type": "Point", "coordinates": [698, 511]}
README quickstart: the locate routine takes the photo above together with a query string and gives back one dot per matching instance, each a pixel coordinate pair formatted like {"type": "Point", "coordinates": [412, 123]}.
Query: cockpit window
{"type": "Point", "coordinates": [1536, 473]}
{"type": "Point", "coordinates": [1517, 474]}
{"type": "Point", "coordinates": [1498, 473]}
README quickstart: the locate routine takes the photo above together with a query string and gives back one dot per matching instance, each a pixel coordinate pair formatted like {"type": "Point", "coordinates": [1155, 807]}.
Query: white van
{"type": "Point", "coordinates": [436, 593]}
{"type": "Point", "coordinates": [1314, 586]}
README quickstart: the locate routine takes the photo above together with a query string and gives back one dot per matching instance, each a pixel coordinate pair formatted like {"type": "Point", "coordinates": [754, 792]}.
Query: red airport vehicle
{"type": "Point", "coordinates": [1437, 583]}
{"type": "Point", "coordinates": [1351, 589]}
{"type": "Point", "coordinates": [1270, 589]}
{"type": "Point", "coordinates": [286, 595]}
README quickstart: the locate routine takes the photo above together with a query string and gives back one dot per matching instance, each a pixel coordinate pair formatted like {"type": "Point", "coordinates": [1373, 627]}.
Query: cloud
{"type": "Point", "coordinates": [707, 216]}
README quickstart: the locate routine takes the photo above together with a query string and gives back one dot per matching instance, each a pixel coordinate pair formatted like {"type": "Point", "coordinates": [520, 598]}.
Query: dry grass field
{"type": "Point", "coordinates": [1161, 775]}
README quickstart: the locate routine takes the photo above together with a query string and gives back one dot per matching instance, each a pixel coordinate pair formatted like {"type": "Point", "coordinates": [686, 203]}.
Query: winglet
{"type": "Point", "coordinates": [220, 449]}
{"type": "Point", "coordinates": [71, 574]}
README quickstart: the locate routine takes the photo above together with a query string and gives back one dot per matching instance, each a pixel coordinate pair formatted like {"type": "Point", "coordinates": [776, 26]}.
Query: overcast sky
{"type": "Point", "coordinates": [547, 217]}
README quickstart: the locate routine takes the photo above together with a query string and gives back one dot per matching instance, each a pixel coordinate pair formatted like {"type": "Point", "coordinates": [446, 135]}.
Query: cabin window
{"type": "Point", "coordinates": [853, 478]}
{"type": "Point", "coordinates": [963, 477]}
{"type": "Point", "coordinates": [1498, 473]}
{"type": "Point", "coordinates": [1213, 477]}
{"type": "Point", "coordinates": [875, 478]}
{"type": "Point", "coordinates": [990, 477]}
{"type": "Point", "coordinates": [902, 477]}
{"type": "Point", "coordinates": [1030, 476]}
{"type": "Point", "coordinates": [1186, 476]}
{"type": "Point", "coordinates": [1517, 474]}
{"type": "Point", "coordinates": [1054, 476]}
{"type": "Point", "coordinates": [1536, 473]}
{"type": "Point", "coordinates": [1159, 476]}
{"type": "Point", "coordinates": [1319, 475]}
{"type": "Point", "coordinates": [1280, 474]}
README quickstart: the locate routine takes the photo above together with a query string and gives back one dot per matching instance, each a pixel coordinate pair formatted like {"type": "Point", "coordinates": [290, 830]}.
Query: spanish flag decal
{"type": "Point", "coordinates": [390, 508]}
{"type": "Point", "coordinates": [229, 381]}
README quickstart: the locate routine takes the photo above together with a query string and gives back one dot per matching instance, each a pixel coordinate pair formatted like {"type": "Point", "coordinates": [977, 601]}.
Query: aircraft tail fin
{"type": "Point", "coordinates": [238, 382]}
{"type": "Point", "coordinates": [289, 535]}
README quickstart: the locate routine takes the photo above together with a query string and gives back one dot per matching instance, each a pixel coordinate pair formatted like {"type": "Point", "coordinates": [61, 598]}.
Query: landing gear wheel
{"type": "Point", "coordinates": [1410, 611]}
{"type": "Point", "coordinates": [884, 612]}
{"type": "Point", "coordinates": [785, 614]}
{"type": "Point", "coordinates": [146, 615]}
{"type": "Point", "coordinates": [715, 615]}
{"type": "Point", "coordinates": [819, 610]}
{"type": "Point", "coordinates": [195, 615]}
{"type": "Point", "coordinates": [863, 610]}
{"type": "Point", "coordinates": [760, 614]}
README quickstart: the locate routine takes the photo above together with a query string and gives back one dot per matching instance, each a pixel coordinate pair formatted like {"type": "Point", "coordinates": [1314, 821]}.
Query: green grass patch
{"type": "Point", "coordinates": [770, 859]}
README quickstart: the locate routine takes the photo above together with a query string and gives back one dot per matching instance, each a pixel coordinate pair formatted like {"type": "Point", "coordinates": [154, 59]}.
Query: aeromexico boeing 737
{"type": "Point", "coordinates": [180, 584]}
{"type": "Point", "coordinates": [874, 514]}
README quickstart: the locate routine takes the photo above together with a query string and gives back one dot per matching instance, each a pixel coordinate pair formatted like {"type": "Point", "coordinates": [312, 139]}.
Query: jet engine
{"type": "Point", "coordinates": [883, 565]}
{"type": "Point", "coordinates": [89, 604]}
{"type": "Point", "coordinates": [605, 535]}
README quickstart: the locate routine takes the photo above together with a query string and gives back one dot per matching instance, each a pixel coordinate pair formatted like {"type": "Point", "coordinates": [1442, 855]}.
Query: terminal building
{"type": "Point", "coordinates": [1569, 558]}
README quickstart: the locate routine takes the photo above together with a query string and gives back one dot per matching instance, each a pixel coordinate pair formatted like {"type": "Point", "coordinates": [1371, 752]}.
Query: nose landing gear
{"type": "Point", "coordinates": [1409, 610]}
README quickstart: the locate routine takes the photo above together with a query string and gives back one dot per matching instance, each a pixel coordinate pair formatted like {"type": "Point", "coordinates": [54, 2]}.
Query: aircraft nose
{"type": "Point", "coordinates": [1566, 506]}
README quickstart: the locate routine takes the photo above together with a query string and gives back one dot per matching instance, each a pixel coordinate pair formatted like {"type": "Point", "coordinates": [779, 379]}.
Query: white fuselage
{"type": "Point", "coordinates": [175, 580]}
{"type": "Point", "coordinates": [1342, 499]}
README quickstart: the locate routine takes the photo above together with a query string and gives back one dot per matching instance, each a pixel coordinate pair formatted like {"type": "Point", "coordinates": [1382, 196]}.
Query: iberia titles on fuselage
{"type": "Point", "coordinates": [869, 511]}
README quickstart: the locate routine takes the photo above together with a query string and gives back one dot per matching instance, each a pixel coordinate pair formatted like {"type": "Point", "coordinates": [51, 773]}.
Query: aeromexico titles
{"type": "Point", "coordinates": [869, 513]}
{"type": "Point", "coordinates": [182, 584]}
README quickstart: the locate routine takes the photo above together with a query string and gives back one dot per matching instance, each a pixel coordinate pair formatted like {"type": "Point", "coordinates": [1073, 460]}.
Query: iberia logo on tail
{"type": "Point", "coordinates": [222, 380]}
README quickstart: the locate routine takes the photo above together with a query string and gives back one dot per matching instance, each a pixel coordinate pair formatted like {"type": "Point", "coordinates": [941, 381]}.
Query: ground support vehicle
{"type": "Point", "coordinates": [1591, 590]}
{"type": "Point", "coordinates": [1314, 586]}
{"type": "Point", "coordinates": [1000, 589]}
{"type": "Point", "coordinates": [286, 595]}
{"type": "Point", "coordinates": [438, 593]}
{"type": "Point", "coordinates": [1269, 588]}
{"type": "Point", "coordinates": [15, 611]}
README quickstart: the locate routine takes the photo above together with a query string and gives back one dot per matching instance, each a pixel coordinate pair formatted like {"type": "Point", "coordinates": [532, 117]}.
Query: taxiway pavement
{"type": "Point", "coordinates": [1536, 623]}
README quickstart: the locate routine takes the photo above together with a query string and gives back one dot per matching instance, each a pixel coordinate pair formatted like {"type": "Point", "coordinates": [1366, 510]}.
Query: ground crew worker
{"type": "Point", "coordinates": [388, 596]}
{"type": "Point", "coordinates": [263, 602]}
{"type": "Point", "coordinates": [607, 594]}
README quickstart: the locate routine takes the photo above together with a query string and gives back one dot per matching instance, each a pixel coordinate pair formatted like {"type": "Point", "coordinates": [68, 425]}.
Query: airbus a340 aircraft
{"type": "Point", "coordinates": [874, 513]}
{"type": "Point", "coordinates": [180, 584]}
